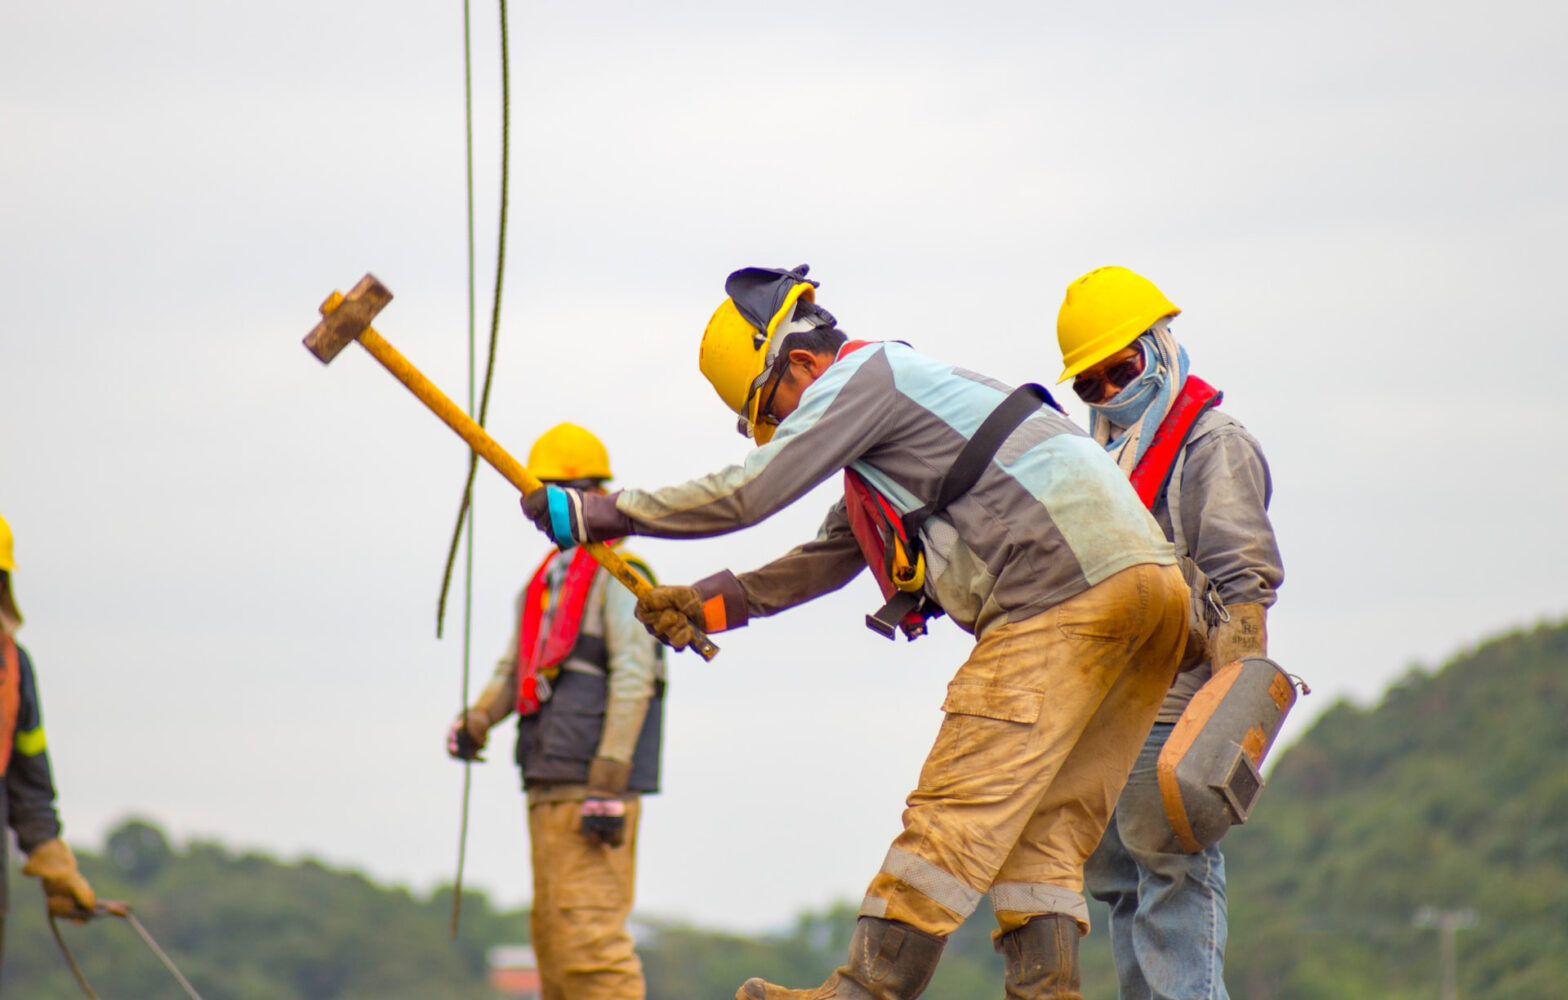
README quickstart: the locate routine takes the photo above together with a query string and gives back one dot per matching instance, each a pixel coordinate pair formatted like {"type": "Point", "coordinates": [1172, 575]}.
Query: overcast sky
{"type": "Point", "coordinates": [229, 556]}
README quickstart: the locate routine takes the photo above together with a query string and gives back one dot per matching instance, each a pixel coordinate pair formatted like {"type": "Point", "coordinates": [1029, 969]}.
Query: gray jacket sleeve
{"type": "Point", "coordinates": [1223, 502]}
{"type": "Point", "coordinates": [820, 566]}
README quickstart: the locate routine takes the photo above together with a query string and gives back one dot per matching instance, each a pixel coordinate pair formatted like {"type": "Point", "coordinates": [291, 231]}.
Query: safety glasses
{"type": "Point", "coordinates": [1091, 385]}
{"type": "Point", "coordinates": [764, 418]}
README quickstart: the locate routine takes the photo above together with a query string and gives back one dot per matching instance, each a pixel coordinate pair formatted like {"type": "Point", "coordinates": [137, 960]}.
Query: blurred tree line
{"type": "Point", "coordinates": [1451, 793]}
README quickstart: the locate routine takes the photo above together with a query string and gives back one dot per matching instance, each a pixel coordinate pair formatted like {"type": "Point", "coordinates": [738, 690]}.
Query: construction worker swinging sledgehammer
{"type": "Point", "coordinates": [965, 498]}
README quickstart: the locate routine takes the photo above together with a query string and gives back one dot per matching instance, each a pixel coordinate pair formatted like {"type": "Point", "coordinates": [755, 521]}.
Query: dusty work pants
{"type": "Point", "coordinates": [582, 897]}
{"type": "Point", "coordinates": [1044, 720]}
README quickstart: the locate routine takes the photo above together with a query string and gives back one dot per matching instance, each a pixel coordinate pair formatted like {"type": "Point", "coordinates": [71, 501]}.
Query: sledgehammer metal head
{"type": "Point", "coordinates": [343, 319]}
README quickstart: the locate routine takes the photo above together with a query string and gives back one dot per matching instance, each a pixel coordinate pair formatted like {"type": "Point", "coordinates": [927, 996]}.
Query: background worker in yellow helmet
{"type": "Point", "coordinates": [27, 789]}
{"type": "Point", "coordinates": [587, 682]}
{"type": "Point", "coordinates": [1208, 485]}
{"type": "Point", "coordinates": [965, 498]}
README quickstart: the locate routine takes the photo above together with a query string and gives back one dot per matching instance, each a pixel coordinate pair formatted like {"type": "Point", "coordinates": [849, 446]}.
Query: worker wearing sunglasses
{"type": "Point", "coordinates": [1207, 483]}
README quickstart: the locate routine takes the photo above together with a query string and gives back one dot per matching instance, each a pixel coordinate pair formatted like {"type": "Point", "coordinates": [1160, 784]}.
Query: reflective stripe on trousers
{"type": "Point", "coordinates": [1043, 723]}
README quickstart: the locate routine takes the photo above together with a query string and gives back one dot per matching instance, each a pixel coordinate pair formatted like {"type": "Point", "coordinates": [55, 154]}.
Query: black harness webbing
{"type": "Point", "coordinates": [959, 479]}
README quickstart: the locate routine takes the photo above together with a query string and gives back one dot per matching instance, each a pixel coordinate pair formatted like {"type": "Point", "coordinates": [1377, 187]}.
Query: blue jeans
{"type": "Point", "coordinates": [1167, 907]}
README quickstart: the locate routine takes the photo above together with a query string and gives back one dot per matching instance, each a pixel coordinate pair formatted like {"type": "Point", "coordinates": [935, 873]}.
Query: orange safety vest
{"type": "Point", "coordinates": [10, 698]}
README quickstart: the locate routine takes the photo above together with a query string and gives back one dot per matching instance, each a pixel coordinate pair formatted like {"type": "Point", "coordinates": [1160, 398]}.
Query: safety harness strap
{"type": "Point", "coordinates": [1153, 471]}
{"type": "Point", "coordinates": [959, 479]}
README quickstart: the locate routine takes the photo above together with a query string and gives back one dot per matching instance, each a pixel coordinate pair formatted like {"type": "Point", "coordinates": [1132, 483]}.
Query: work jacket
{"type": "Point", "coordinates": [1050, 516]}
{"type": "Point", "coordinates": [1218, 496]}
{"type": "Point", "coordinates": [614, 658]}
{"type": "Point", "coordinates": [27, 791]}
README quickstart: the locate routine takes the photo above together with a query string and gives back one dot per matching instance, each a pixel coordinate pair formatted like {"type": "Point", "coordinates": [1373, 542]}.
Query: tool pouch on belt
{"type": "Point", "coordinates": [891, 544]}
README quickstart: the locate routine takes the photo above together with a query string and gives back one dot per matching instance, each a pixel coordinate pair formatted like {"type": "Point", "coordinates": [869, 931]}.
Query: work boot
{"type": "Point", "coordinates": [1042, 959]}
{"type": "Point", "coordinates": [888, 960]}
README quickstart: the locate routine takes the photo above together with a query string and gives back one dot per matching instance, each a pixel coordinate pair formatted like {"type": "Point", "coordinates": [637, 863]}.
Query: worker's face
{"type": "Point", "coordinates": [1100, 382]}
{"type": "Point", "coordinates": [781, 396]}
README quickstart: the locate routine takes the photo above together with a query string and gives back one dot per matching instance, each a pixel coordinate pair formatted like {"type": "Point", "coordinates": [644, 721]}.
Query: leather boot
{"type": "Point", "coordinates": [888, 960]}
{"type": "Point", "coordinates": [1042, 959]}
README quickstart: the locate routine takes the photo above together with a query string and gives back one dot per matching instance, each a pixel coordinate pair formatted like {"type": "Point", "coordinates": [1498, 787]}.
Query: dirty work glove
{"type": "Point", "coordinates": [668, 613]}
{"type": "Point", "coordinates": [67, 893]}
{"type": "Point", "coordinates": [1245, 634]}
{"type": "Point", "coordinates": [467, 735]}
{"type": "Point", "coordinates": [558, 512]}
{"type": "Point", "coordinates": [603, 812]}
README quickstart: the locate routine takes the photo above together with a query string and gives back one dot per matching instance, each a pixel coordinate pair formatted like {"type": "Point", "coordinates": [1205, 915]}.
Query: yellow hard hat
{"type": "Point", "coordinates": [737, 346]}
{"type": "Point", "coordinates": [566, 452]}
{"type": "Point", "coordinates": [7, 565]}
{"type": "Point", "coordinates": [1104, 311]}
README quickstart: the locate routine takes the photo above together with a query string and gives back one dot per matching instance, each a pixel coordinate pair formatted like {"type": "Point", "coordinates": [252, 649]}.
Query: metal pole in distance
{"type": "Point", "coordinates": [1448, 924]}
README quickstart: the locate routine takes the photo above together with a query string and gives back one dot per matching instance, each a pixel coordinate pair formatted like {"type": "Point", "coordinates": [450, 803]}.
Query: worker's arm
{"type": "Point", "coordinates": [470, 731]}
{"type": "Point", "coordinates": [30, 789]}
{"type": "Point", "coordinates": [633, 670]}
{"type": "Point", "coordinates": [1225, 492]}
{"type": "Point", "coordinates": [842, 416]}
{"type": "Point", "coordinates": [29, 781]}
{"type": "Point", "coordinates": [805, 572]}
{"type": "Point", "coordinates": [726, 601]}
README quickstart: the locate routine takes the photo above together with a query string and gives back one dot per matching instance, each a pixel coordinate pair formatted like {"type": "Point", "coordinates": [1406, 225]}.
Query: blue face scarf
{"type": "Point", "coordinates": [1126, 424]}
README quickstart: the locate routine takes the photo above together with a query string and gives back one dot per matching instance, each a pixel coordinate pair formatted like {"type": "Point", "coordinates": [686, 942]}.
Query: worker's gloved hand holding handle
{"type": "Point", "coordinates": [468, 734]}
{"type": "Point", "coordinates": [558, 512]}
{"type": "Point", "coordinates": [603, 811]}
{"type": "Point", "coordinates": [668, 612]}
{"type": "Point", "coordinates": [66, 891]}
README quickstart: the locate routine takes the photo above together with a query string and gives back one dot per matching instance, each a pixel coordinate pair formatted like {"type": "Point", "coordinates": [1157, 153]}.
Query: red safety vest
{"type": "Point", "coordinates": [539, 651]}
{"type": "Point", "coordinates": [10, 698]}
{"type": "Point", "coordinates": [1153, 470]}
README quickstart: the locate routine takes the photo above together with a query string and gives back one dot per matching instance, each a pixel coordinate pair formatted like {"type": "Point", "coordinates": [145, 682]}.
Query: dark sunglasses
{"type": "Point", "coordinates": [1091, 387]}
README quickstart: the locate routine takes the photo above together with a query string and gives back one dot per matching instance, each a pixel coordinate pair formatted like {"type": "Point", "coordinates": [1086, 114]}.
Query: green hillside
{"type": "Point", "coordinates": [1452, 793]}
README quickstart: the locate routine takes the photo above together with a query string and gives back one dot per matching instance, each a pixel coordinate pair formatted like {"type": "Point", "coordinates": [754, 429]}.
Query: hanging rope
{"type": "Point", "coordinates": [465, 509]}
{"type": "Point", "coordinates": [122, 910]}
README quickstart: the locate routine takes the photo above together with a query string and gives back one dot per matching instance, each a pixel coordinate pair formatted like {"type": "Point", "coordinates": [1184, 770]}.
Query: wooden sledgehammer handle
{"type": "Point", "coordinates": [367, 298]}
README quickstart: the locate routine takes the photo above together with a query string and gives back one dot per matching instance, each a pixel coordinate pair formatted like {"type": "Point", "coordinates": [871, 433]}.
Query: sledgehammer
{"type": "Point", "coordinates": [346, 319]}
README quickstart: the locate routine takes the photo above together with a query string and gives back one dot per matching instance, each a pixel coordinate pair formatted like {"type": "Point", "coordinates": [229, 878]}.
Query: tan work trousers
{"type": "Point", "coordinates": [582, 897]}
{"type": "Point", "coordinates": [1044, 721]}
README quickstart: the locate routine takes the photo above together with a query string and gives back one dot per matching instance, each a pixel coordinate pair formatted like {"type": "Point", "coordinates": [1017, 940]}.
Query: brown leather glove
{"type": "Point", "coordinates": [603, 812]}
{"type": "Point", "coordinates": [1245, 634]}
{"type": "Point", "coordinates": [468, 734]}
{"type": "Point", "coordinates": [67, 893]}
{"type": "Point", "coordinates": [668, 613]}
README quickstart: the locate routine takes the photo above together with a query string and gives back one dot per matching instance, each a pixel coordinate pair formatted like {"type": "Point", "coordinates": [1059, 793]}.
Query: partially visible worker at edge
{"type": "Point", "coordinates": [1208, 484]}
{"type": "Point", "coordinates": [27, 791]}
{"type": "Point", "coordinates": [1045, 555]}
{"type": "Point", "coordinates": [587, 682]}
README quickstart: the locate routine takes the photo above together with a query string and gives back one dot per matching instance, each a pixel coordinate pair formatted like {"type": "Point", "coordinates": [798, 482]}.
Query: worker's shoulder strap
{"type": "Point", "coordinates": [978, 452]}
{"type": "Point", "coordinates": [1153, 471]}
{"type": "Point", "coordinates": [908, 609]}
